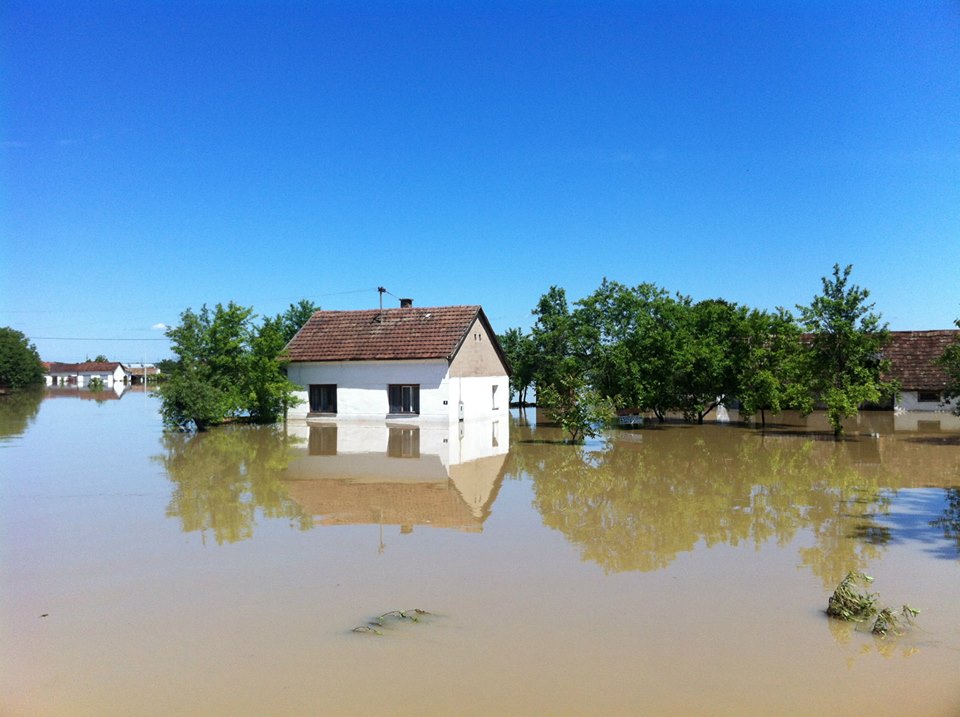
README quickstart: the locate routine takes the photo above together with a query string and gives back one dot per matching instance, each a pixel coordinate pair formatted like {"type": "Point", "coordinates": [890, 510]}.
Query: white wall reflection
{"type": "Point", "coordinates": [377, 473]}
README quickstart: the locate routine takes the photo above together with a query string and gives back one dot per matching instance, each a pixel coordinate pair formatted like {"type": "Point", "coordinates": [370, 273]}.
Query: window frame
{"type": "Point", "coordinates": [316, 393]}
{"type": "Point", "coordinates": [403, 399]}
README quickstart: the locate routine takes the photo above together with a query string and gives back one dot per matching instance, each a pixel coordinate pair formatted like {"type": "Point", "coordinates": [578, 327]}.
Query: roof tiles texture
{"type": "Point", "coordinates": [391, 334]}
{"type": "Point", "coordinates": [83, 367]}
{"type": "Point", "coordinates": [914, 354]}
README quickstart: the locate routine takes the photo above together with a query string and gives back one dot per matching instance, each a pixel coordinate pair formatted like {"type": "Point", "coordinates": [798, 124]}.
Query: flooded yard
{"type": "Point", "coordinates": [663, 570]}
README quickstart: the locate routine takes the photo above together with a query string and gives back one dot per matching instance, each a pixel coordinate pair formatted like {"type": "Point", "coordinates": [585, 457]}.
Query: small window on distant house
{"type": "Point", "coordinates": [323, 398]}
{"type": "Point", "coordinates": [404, 398]}
{"type": "Point", "coordinates": [928, 397]}
{"type": "Point", "coordinates": [495, 406]}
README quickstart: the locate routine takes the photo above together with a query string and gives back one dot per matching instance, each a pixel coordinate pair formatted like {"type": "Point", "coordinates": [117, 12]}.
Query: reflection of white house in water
{"type": "Point", "coordinates": [109, 393]}
{"type": "Point", "coordinates": [372, 473]}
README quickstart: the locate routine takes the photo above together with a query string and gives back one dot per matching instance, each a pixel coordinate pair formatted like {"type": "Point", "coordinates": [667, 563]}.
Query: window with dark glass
{"type": "Point", "coordinates": [928, 396]}
{"type": "Point", "coordinates": [404, 398]}
{"type": "Point", "coordinates": [323, 398]}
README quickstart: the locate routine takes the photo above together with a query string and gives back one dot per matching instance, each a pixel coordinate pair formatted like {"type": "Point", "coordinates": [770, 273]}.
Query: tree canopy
{"type": "Point", "coordinates": [20, 364]}
{"type": "Point", "coordinates": [844, 357]}
{"type": "Point", "coordinates": [228, 367]}
{"type": "Point", "coordinates": [642, 348]}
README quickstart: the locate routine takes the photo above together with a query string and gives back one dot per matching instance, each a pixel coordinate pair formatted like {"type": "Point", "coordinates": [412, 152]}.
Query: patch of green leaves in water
{"type": "Point", "coordinates": [851, 603]}
{"type": "Point", "coordinates": [378, 625]}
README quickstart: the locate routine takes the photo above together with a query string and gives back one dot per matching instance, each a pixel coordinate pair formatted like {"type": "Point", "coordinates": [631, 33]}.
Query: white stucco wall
{"type": "Point", "coordinates": [362, 390]}
{"type": "Point", "coordinates": [362, 387]}
{"type": "Point", "coordinates": [908, 401]}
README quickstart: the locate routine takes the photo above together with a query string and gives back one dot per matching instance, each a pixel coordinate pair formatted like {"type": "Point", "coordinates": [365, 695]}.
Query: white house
{"type": "Point", "coordinates": [411, 365]}
{"type": "Point", "coordinates": [80, 374]}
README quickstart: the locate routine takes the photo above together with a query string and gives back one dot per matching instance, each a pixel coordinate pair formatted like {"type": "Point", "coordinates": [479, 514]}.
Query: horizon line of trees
{"type": "Point", "coordinates": [645, 349]}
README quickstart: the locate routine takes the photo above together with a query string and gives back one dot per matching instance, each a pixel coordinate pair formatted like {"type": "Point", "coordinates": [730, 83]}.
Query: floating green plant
{"type": "Point", "coordinates": [850, 603]}
{"type": "Point", "coordinates": [853, 604]}
{"type": "Point", "coordinates": [889, 621]}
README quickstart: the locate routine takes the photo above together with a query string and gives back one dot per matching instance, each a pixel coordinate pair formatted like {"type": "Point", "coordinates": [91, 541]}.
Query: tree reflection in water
{"type": "Point", "coordinates": [653, 494]}
{"type": "Point", "coordinates": [950, 520]}
{"type": "Point", "coordinates": [222, 477]}
{"type": "Point", "coordinates": [18, 410]}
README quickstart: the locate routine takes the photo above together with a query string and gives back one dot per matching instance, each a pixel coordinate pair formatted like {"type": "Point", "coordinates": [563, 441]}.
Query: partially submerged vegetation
{"type": "Point", "coordinates": [20, 365]}
{"type": "Point", "coordinates": [376, 625]}
{"type": "Point", "coordinates": [642, 349]}
{"type": "Point", "coordinates": [228, 367]}
{"type": "Point", "coordinates": [852, 604]}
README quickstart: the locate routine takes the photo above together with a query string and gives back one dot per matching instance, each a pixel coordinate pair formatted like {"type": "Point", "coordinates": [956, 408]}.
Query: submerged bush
{"type": "Point", "coordinates": [852, 604]}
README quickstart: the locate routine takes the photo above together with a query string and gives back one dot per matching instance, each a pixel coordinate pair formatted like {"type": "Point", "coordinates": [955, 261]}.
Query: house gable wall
{"type": "Point", "coordinates": [477, 355]}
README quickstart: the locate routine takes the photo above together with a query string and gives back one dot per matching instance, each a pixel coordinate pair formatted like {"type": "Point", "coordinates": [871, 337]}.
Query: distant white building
{"type": "Point", "coordinates": [80, 374]}
{"type": "Point", "coordinates": [409, 365]}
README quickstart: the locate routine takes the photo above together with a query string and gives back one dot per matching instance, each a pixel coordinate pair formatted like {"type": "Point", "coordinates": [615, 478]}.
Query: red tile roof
{"type": "Point", "coordinates": [98, 366]}
{"type": "Point", "coordinates": [82, 367]}
{"type": "Point", "coordinates": [914, 355]}
{"type": "Point", "coordinates": [392, 334]}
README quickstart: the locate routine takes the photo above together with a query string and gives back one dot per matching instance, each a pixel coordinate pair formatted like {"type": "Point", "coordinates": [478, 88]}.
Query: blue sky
{"type": "Point", "coordinates": [159, 156]}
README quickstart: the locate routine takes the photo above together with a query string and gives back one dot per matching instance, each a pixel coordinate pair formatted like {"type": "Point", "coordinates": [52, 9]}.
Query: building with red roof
{"type": "Point", "coordinates": [405, 364]}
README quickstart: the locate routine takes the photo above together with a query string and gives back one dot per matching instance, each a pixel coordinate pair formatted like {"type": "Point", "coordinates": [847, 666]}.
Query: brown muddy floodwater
{"type": "Point", "coordinates": [678, 570]}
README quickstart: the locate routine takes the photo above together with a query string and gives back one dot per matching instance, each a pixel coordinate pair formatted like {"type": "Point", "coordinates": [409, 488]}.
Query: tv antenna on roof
{"type": "Point", "coordinates": [382, 291]}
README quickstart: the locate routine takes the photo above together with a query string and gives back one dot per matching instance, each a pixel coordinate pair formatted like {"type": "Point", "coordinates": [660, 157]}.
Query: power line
{"type": "Point", "coordinates": [89, 338]}
{"type": "Point", "coordinates": [170, 306]}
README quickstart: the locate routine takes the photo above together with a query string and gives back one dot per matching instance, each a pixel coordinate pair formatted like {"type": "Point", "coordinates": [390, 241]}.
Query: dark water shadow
{"type": "Point", "coordinates": [936, 440]}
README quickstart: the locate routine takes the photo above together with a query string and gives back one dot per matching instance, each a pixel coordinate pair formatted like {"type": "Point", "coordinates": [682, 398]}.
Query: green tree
{"type": "Point", "coordinates": [769, 376]}
{"type": "Point", "coordinates": [20, 364]}
{"type": "Point", "coordinates": [293, 319]}
{"type": "Point", "coordinates": [226, 369]}
{"type": "Point", "coordinates": [659, 347]}
{"type": "Point", "coordinates": [521, 353]}
{"type": "Point", "coordinates": [554, 340]}
{"type": "Point", "coordinates": [712, 348]}
{"type": "Point", "coordinates": [950, 361]}
{"type": "Point", "coordinates": [101, 358]}
{"type": "Point", "coordinates": [844, 358]}
{"type": "Point", "coordinates": [269, 391]}
{"type": "Point", "coordinates": [609, 320]}
{"type": "Point", "coordinates": [578, 409]}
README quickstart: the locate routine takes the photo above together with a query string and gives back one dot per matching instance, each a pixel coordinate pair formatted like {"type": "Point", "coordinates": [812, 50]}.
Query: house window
{"type": "Point", "coordinates": [404, 398]}
{"type": "Point", "coordinates": [495, 406]}
{"type": "Point", "coordinates": [323, 398]}
{"type": "Point", "coordinates": [928, 397]}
